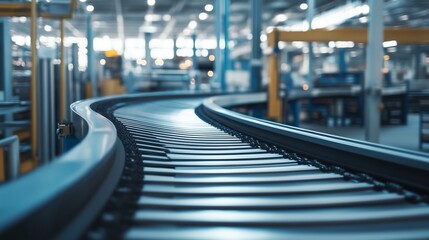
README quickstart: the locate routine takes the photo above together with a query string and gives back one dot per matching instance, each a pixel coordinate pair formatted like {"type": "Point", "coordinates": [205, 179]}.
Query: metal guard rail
{"type": "Point", "coordinates": [38, 203]}
{"type": "Point", "coordinates": [408, 168]}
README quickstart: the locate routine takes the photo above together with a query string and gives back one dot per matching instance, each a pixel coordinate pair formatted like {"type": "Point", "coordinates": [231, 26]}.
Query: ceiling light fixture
{"type": "Point", "coordinates": [363, 19]}
{"type": "Point", "coordinates": [166, 17]}
{"type": "Point", "coordinates": [48, 28]}
{"type": "Point", "coordinates": [280, 18]}
{"type": "Point", "coordinates": [192, 24]}
{"type": "Point", "coordinates": [203, 16]}
{"type": "Point", "coordinates": [82, 0]}
{"type": "Point", "coordinates": [151, 2]}
{"type": "Point", "coordinates": [303, 6]}
{"type": "Point", "coordinates": [90, 8]}
{"type": "Point", "coordinates": [208, 7]}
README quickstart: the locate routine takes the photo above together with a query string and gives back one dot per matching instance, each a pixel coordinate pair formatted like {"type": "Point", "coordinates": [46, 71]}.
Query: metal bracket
{"type": "Point", "coordinates": [64, 129]}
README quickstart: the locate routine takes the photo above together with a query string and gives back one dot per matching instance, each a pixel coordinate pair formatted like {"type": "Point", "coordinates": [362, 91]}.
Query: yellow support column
{"type": "Point", "coordinates": [63, 106]}
{"type": "Point", "coordinates": [275, 104]}
{"type": "Point", "coordinates": [34, 84]}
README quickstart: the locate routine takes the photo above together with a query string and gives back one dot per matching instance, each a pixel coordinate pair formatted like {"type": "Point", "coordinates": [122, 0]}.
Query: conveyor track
{"type": "Point", "coordinates": [185, 179]}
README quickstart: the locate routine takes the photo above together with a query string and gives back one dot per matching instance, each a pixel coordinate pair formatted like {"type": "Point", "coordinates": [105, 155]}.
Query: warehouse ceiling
{"type": "Point", "coordinates": [170, 18]}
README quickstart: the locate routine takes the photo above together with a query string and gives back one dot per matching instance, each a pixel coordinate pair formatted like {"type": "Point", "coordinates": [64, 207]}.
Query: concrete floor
{"type": "Point", "coordinates": [406, 136]}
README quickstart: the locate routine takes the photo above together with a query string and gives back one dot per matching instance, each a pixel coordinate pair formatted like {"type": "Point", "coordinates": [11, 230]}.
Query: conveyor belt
{"type": "Point", "coordinates": [191, 180]}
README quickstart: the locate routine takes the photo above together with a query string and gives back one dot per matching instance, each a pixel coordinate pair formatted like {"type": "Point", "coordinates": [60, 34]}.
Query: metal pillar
{"type": "Point", "coordinates": [218, 53]}
{"type": "Point", "coordinates": [175, 48]}
{"type": "Point", "coordinates": [195, 60]}
{"type": "Point", "coordinates": [147, 37]}
{"type": "Point", "coordinates": [256, 58]}
{"type": "Point", "coordinates": [34, 83]}
{"type": "Point", "coordinates": [46, 108]}
{"type": "Point", "coordinates": [342, 63]}
{"type": "Point", "coordinates": [6, 67]}
{"type": "Point", "coordinates": [373, 76]}
{"type": "Point", "coordinates": [194, 52]}
{"type": "Point", "coordinates": [417, 62]}
{"type": "Point", "coordinates": [63, 92]}
{"type": "Point", "coordinates": [76, 84]}
{"type": "Point", "coordinates": [91, 59]}
{"type": "Point", "coordinates": [226, 57]}
{"type": "Point", "coordinates": [310, 15]}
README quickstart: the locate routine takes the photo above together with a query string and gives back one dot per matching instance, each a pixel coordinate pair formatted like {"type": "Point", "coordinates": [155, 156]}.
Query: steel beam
{"type": "Point", "coordinates": [360, 35]}
{"type": "Point", "coordinates": [373, 75]}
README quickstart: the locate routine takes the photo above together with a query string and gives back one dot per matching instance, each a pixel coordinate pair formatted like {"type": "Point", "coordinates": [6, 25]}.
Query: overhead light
{"type": "Point", "coordinates": [203, 16]}
{"type": "Point", "coordinates": [48, 28]}
{"type": "Point", "coordinates": [151, 2]}
{"type": "Point", "coordinates": [210, 73]}
{"type": "Point", "coordinates": [208, 7]}
{"type": "Point", "coordinates": [365, 9]}
{"type": "Point", "coordinates": [403, 17]}
{"type": "Point", "coordinates": [363, 19]}
{"type": "Point", "coordinates": [166, 17]}
{"type": "Point", "coordinates": [82, 0]}
{"type": "Point", "coordinates": [103, 61]}
{"type": "Point", "coordinates": [212, 58]}
{"type": "Point", "coordinates": [303, 6]}
{"type": "Point", "coordinates": [280, 18]}
{"type": "Point", "coordinates": [152, 17]}
{"type": "Point", "coordinates": [90, 8]}
{"type": "Point", "coordinates": [263, 38]}
{"type": "Point", "coordinates": [388, 44]}
{"type": "Point", "coordinates": [192, 24]}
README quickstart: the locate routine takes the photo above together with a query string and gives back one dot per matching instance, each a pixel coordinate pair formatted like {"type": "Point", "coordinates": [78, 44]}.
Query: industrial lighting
{"type": "Point", "coordinates": [159, 62]}
{"type": "Point", "coordinates": [303, 6]}
{"type": "Point", "coordinates": [208, 7]}
{"type": "Point", "coordinates": [305, 87]}
{"type": "Point", "coordinates": [151, 2]}
{"type": "Point", "coordinates": [280, 18]}
{"type": "Point", "coordinates": [103, 61]}
{"type": "Point", "coordinates": [403, 18]}
{"type": "Point", "coordinates": [210, 73]}
{"type": "Point", "coordinates": [363, 19]}
{"type": "Point", "coordinates": [82, 0]}
{"type": "Point", "coordinates": [263, 38]}
{"type": "Point", "coordinates": [365, 9]}
{"type": "Point", "coordinates": [386, 57]}
{"type": "Point", "coordinates": [203, 16]}
{"type": "Point", "coordinates": [48, 28]}
{"type": "Point", "coordinates": [212, 58]}
{"type": "Point", "coordinates": [141, 62]}
{"type": "Point", "coordinates": [166, 17]}
{"type": "Point", "coordinates": [388, 44]}
{"type": "Point", "coordinates": [192, 24]}
{"type": "Point", "coordinates": [90, 8]}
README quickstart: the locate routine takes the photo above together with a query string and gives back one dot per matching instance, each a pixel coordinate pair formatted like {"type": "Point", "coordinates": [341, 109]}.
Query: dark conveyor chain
{"type": "Point", "coordinates": [186, 179]}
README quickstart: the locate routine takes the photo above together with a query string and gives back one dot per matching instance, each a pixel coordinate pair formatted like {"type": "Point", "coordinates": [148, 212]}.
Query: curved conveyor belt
{"type": "Point", "coordinates": [194, 170]}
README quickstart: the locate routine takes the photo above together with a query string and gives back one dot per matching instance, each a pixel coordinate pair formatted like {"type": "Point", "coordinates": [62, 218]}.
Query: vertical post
{"type": "Point", "coordinates": [175, 48]}
{"type": "Point", "coordinates": [373, 75]}
{"type": "Point", "coordinates": [91, 60]}
{"type": "Point", "coordinates": [195, 60]}
{"type": "Point", "coordinates": [310, 15]}
{"type": "Point", "coordinates": [218, 53]}
{"type": "Point", "coordinates": [6, 67]}
{"type": "Point", "coordinates": [256, 58]}
{"type": "Point", "coordinates": [75, 78]}
{"type": "Point", "coordinates": [417, 62]}
{"type": "Point", "coordinates": [147, 37]}
{"type": "Point", "coordinates": [226, 57]}
{"type": "Point", "coordinates": [342, 63]}
{"type": "Point", "coordinates": [34, 84]}
{"type": "Point", "coordinates": [63, 92]}
{"type": "Point", "coordinates": [275, 105]}
{"type": "Point", "coordinates": [194, 52]}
